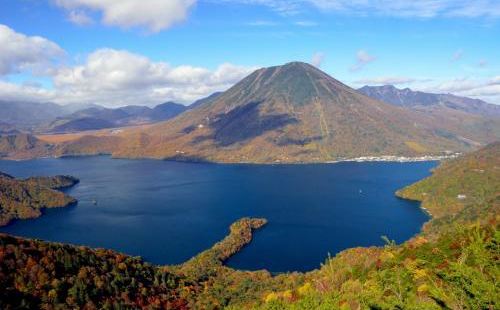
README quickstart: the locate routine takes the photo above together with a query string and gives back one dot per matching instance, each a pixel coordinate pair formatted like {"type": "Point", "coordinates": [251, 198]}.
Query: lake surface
{"type": "Point", "coordinates": [167, 212]}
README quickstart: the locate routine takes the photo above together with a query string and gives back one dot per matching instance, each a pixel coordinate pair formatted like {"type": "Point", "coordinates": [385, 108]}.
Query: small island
{"type": "Point", "coordinates": [25, 199]}
{"type": "Point", "coordinates": [451, 264]}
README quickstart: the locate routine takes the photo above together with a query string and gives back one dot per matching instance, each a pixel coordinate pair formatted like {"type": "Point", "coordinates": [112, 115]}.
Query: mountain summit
{"type": "Point", "coordinates": [296, 83]}
{"type": "Point", "coordinates": [289, 113]}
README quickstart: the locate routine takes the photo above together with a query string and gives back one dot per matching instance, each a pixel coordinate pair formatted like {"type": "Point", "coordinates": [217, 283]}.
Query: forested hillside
{"type": "Point", "coordinates": [452, 264]}
{"type": "Point", "coordinates": [24, 199]}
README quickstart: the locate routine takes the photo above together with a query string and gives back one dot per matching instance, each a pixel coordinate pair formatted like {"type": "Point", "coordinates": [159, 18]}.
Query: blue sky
{"type": "Point", "coordinates": [114, 52]}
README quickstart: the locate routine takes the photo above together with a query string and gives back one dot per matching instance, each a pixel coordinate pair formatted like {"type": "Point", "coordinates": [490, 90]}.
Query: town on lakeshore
{"type": "Point", "coordinates": [249, 154]}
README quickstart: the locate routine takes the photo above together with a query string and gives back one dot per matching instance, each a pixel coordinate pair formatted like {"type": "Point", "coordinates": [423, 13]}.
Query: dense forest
{"type": "Point", "coordinates": [24, 199]}
{"type": "Point", "coordinates": [451, 264]}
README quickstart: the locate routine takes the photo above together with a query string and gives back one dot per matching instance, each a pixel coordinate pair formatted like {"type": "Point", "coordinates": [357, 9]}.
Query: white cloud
{"type": "Point", "coordinates": [487, 89]}
{"type": "Point", "coordinates": [402, 8]}
{"type": "Point", "coordinates": [80, 18]}
{"type": "Point", "coordinates": [25, 92]}
{"type": "Point", "coordinates": [107, 76]}
{"type": "Point", "coordinates": [495, 80]}
{"type": "Point", "coordinates": [263, 23]}
{"type": "Point", "coordinates": [457, 85]}
{"type": "Point", "coordinates": [385, 80]}
{"type": "Point", "coordinates": [362, 59]}
{"type": "Point", "coordinates": [306, 23]}
{"type": "Point", "coordinates": [19, 52]}
{"type": "Point", "coordinates": [115, 77]}
{"type": "Point", "coordinates": [397, 8]}
{"type": "Point", "coordinates": [317, 59]}
{"type": "Point", "coordinates": [154, 15]}
{"type": "Point", "coordinates": [285, 7]}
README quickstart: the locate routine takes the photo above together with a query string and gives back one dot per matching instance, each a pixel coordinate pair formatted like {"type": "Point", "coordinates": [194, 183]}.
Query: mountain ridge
{"type": "Point", "coordinates": [293, 113]}
{"type": "Point", "coordinates": [409, 98]}
{"type": "Point", "coordinates": [47, 117]}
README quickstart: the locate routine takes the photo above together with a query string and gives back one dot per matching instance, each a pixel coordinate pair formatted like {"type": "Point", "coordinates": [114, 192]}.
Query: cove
{"type": "Point", "coordinates": [168, 212]}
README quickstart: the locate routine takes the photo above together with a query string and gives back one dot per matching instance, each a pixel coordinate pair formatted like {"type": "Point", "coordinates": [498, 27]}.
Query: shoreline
{"type": "Point", "coordinates": [401, 159]}
{"type": "Point", "coordinates": [381, 158]}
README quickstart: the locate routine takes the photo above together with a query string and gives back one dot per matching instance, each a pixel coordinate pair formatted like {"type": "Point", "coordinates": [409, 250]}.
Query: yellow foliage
{"type": "Point", "coordinates": [386, 255]}
{"type": "Point", "coordinates": [423, 288]}
{"type": "Point", "coordinates": [419, 274]}
{"type": "Point", "coordinates": [52, 295]}
{"type": "Point", "coordinates": [305, 289]}
{"type": "Point", "coordinates": [271, 297]}
{"type": "Point", "coordinates": [287, 294]}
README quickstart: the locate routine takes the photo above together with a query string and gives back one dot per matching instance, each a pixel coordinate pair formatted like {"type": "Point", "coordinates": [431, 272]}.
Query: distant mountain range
{"type": "Point", "coordinates": [291, 113]}
{"type": "Point", "coordinates": [100, 118]}
{"type": "Point", "coordinates": [431, 102]}
{"type": "Point", "coordinates": [39, 117]}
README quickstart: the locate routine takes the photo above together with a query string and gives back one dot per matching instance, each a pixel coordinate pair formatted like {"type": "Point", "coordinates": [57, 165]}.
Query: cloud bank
{"type": "Point", "coordinates": [19, 52]}
{"type": "Point", "coordinates": [117, 77]}
{"type": "Point", "coordinates": [107, 76]}
{"type": "Point", "coordinates": [153, 15]}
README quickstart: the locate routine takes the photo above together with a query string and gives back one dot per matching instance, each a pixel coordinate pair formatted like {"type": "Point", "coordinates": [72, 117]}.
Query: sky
{"type": "Point", "coordinates": [122, 52]}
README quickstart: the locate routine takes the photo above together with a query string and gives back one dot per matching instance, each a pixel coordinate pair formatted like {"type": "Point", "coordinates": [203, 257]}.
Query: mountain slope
{"type": "Point", "coordinates": [292, 113]}
{"type": "Point", "coordinates": [24, 199]}
{"type": "Point", "coordinates": [99, 118]}
{"type": "Point", "coordinates": [417, 99]}
{"type": "Point", "coordinates": [166, 111]}
{"type": "Point", "coordinates": [202, 101]}
{"type": "Point", "coordinates": [452, 264]}
{"type": "Point", "coordinates": [22, 145]}
{"type": "Point", "coordinates": [32, 116]}
{"type": "Point", "coordinates": [28, 115]}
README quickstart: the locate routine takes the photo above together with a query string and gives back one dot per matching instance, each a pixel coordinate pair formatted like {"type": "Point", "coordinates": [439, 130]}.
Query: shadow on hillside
{"type": "Point", "coordinates": [243, 123]}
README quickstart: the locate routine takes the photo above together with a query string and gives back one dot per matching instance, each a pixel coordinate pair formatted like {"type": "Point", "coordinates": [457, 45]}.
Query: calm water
{"type": "Point", "coordinates": [167, 212]}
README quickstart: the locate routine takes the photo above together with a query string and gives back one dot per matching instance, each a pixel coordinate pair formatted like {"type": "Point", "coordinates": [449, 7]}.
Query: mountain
{"type": "Point", "coordinates": [50, 117]}
{"type": "Point", "coordinates": [23, 199]}
{"type": "Point", "coordinates": [6, 128]}
{"type": "Point", "coordinates": [292, 113]}
{"type": "Point", "coordinates": [202, 101]}
{"type": "Point", "coordinates": [29, 115]}
{"type": "Point", "coordinates": [465, 189]}
{"type": "Point", "coordinates": [421, 100]}
{"type": "Point", "coordinates": [451, 264]}
{"type": "Point", "coordinates": [23, 146]}
{"type": "Point", "coordinates": [96, 118]}
{"type": "Point", "coordinates": [166, 111]}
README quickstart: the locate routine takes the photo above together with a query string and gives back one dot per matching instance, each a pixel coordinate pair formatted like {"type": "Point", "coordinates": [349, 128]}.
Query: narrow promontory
{"type": "Point", "coordinates": [25, 199]}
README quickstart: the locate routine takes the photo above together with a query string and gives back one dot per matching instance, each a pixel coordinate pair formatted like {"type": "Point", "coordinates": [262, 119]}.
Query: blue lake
{"type": "Point", "coordinates": [167, 212]}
